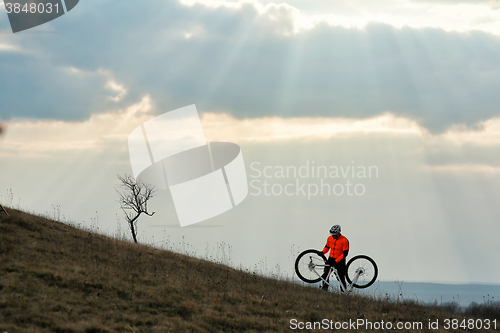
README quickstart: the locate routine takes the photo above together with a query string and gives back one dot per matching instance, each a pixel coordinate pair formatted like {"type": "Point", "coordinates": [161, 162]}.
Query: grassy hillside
{"type": "Point", "coordinates": [55, 278]}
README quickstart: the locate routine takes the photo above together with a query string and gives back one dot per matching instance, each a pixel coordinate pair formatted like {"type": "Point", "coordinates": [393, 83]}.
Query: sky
{"type": "Point", "coordinates": [405, 88]}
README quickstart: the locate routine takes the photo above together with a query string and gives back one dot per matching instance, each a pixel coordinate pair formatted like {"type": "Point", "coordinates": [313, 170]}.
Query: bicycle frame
{"type": "Point", "coordinates": [333, 270]}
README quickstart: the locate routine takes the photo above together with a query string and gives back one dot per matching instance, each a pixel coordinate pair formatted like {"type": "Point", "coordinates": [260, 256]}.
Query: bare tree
{"type": "Point", "coordinates": [134, 200]}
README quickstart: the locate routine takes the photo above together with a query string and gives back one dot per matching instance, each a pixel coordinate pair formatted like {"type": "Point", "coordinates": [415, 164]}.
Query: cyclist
{"type": "Point", "coordinates": [339, 248]}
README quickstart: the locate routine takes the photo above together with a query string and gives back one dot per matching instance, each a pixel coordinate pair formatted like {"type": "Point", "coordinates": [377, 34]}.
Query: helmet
{"type": "Point", "coordinates": [335, 229]}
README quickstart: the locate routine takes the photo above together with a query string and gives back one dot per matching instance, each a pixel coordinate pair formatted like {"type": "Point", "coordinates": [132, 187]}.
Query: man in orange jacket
{"type": "Point", "coordinates": [339, 248]}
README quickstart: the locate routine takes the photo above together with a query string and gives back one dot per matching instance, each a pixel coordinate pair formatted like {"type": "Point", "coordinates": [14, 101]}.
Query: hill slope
{"type": "Point", "coordinates": [55, 278]}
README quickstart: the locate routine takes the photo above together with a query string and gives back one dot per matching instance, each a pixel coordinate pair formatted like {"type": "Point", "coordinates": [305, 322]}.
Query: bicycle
{"type": "Point", "coordinates": [361, 270]}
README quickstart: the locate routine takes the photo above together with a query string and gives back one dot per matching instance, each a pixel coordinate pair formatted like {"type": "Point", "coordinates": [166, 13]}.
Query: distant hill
{"type": "Point", "coordinates": [440, 293]}
{"type": "Point", "coordinates": [56, 278]}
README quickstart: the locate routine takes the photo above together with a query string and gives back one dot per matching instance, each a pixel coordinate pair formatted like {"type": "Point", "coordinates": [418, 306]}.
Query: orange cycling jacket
{"type": "Point", "coordinates": [339, 247]}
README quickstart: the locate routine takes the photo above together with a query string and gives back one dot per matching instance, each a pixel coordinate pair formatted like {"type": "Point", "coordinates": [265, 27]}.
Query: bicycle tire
{"type": "Point", "coordinates": [369, 271]}
{"type": "Point", "coordinates": [305, 264]}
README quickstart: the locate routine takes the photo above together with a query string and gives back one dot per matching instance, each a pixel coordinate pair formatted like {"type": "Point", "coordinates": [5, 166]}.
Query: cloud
{"type": "Point", "coordinates": [38, 138]}
{"type": "Point", "coordinates": [32, 138]}
{"type": "Point", "coordinates": [449, 15]}
{"type": "Point", "coordinates": [455, 2]}
{"type": "Point", "coordinates": [35, 87]}
{"type": "Point", "coordinates": [8, 48]}
{"type": "Point", "coordinates": [223, 127]}
{"type": "Point", "coordinates": [250, 61]}
{"type": "Point", "coordinates": [118, 88]}
{"type": "Point", "coordinates": [457, 146]}
{"type": "Point", "coordinates": [465, 167]}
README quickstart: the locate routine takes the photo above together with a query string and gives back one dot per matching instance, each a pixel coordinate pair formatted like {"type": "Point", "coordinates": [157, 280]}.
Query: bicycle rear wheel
{"type": "Point", "coordinates": [367, 269]}
{"type": "Point", "coordinates": [309, 264]}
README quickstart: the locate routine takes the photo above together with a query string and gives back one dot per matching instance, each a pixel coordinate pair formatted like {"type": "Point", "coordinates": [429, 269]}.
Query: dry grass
{"type": "Point", "coordinates": [56, 278]}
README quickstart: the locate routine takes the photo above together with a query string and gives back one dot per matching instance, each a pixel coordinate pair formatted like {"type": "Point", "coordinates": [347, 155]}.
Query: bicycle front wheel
{"type": "Point", "coordinates": [309, 265]}
{"type": "Point", "coordinates": [363, 266]}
